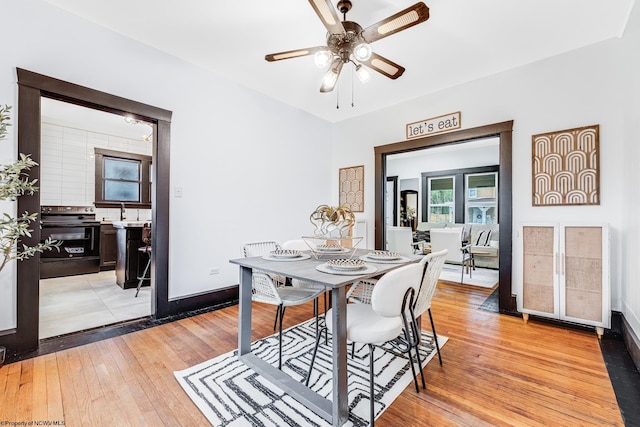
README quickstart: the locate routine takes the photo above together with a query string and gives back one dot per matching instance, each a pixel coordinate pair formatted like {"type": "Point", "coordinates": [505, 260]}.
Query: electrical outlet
{"type": "Point", "coordinates": [214, 270]}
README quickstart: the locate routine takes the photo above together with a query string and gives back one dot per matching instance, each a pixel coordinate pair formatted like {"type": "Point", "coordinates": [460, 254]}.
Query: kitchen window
{"type": "Point", "coordinates": [122, 178]}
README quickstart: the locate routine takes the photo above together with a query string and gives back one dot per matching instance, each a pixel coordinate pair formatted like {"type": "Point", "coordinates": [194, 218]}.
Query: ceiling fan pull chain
{"type": "Point", "coordinates": [352, 103]}
{"type": "Point", "coordinates": [337, 97]}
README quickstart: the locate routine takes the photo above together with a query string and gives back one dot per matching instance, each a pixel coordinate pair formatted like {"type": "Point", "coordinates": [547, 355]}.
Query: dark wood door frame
{"type": "Point", "coordinates": [501, 130]}
{"type": "Point", "coordinates": [394, 179]}
{"type": "Point", "coordinates": [31, 87]}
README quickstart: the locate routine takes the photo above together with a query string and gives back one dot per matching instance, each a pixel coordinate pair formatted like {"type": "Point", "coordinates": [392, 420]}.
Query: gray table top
{"type": "Point", "coordinates": [306, 269]}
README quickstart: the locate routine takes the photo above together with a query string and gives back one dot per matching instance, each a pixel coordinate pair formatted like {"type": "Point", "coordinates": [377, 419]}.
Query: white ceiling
{"type": "Point", "coordinates": [463, 40]}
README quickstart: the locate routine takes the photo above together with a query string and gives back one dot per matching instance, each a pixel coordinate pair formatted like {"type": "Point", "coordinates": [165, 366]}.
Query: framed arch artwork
{"type": "Point", "coordinates": [566, 167]}
{"type": "Point", "coordinates": [351, 191]}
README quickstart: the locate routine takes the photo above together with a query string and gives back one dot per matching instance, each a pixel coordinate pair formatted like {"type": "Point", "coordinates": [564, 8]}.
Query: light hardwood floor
{"type": "Point", "coordinates": [497, 371]}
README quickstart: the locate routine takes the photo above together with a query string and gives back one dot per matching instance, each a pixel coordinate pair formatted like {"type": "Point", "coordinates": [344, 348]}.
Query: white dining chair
{"type": "Point", "coordinates": [261, 248]}
{"type": "Point", "coordinates": [264, 290]}
{"type": "Point", "coordinates": [431, 266]}
{"type": "Point", "coordinates": [451, 239]}
{"type": "Point", "coordinates": [385, 319]}
{"type": "Point", "coordinates": [301, 245]}
{"type": "Point", "coordinates": [400, 240]}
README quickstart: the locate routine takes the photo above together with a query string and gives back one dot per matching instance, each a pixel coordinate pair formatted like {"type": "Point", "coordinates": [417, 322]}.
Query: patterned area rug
{"type": "Point", "coordinates": [230, 394]}
{"type": "Point", "coordinates": [483, 277]}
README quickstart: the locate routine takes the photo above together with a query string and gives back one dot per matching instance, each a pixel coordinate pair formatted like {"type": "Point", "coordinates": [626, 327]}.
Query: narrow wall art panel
{"type": "Point", "coordinates": [351, 189]}
{"type": "Point", "coordinates": [566, 167]}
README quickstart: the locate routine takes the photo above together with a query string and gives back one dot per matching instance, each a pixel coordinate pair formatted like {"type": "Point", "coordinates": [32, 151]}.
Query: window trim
{"type": "Point", "coordinates": [145, 180]}
{"type": "Point", "coordinates": [459, 193]}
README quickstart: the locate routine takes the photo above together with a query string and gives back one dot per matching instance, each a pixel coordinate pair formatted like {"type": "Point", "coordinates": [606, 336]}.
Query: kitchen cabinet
{"type": "Point", "coordinates": [108, 247]}
{"type": "Point", "coordinates": [565, 273]}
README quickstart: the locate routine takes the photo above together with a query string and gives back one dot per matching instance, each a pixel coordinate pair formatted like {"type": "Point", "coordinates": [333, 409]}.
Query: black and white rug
{"type": "Point", "coordinates": [230, 394]}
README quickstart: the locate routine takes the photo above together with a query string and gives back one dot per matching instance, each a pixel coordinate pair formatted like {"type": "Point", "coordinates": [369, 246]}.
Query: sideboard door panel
{"type": "Point", "coordinates": [539, 278]}
{"type": "Point", "coordinates": [583, 273]}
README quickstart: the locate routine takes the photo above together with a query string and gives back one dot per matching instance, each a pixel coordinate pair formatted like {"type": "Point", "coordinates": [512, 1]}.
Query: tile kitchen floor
{"type": "Point", "coordinates": [75, 303]}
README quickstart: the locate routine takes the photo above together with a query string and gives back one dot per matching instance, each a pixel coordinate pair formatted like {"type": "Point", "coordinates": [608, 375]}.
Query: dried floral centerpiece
{"type": "Point", "coordinates": [330, 221]}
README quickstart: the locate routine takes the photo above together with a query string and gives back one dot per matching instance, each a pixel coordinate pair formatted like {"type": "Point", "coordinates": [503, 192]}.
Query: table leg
{"type": "Point", "coordinates": [339, 342]}
{"type": "Point", "coordinates": [244, 311]}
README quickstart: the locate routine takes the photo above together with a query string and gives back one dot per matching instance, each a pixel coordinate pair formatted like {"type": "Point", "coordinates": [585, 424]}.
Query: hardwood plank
{"type": "Point", "coordinates": [24, 401]}
{"type": "Point", "coordinates": [55, 411]}
{"type": "Point", "coordinates": [498, 371]}
{"type": "Point", "coordinates": [11, 382]}
{"type": "Point", "coordinates": [39, 390]}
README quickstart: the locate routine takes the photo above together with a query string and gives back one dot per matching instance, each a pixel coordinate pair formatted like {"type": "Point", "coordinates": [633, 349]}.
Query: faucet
{"type": "Point", "coordinates": [122, 211]}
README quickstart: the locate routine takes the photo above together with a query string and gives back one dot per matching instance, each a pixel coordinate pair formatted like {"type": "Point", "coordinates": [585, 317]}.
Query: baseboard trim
{"type": "Point", "coordinates": [631, 341]}
{"type": "Point", "coordinates": [218, 298]}
{"type": "Point", "coordinates": [8, 338]}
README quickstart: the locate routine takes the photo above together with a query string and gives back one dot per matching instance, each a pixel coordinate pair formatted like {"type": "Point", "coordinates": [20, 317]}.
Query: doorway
{"type": "Point", "coordinates": [78, 288]}
{"type": "Point", "coordinates": [503, 131]}
{"type": "Point", "coordinates": [31, 88]}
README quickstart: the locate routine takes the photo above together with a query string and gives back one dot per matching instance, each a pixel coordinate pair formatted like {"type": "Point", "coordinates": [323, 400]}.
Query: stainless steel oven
{"type": "Point", "coordinates": [79, 231]}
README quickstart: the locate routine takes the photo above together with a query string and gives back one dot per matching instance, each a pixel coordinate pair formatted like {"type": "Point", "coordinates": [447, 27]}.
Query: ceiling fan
{"type": "Point", "coordinates": [347, 42]}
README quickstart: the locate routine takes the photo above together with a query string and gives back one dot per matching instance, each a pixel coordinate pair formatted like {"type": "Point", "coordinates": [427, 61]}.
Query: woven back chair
{"type": "Point", "coordinates": [252, 249]}
{"type": "Point", "coordinates": [431, 266]}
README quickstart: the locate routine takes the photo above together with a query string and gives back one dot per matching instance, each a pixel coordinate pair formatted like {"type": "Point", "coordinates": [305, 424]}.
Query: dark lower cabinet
{"type": "Point", "coordinates": [128, 262]}
{"type": "Point", "coordinates": [108, 247]}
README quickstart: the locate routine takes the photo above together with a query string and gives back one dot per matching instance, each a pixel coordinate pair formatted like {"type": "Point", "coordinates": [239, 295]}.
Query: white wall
{"type": "Point", "coordinates": [580, 88]}
{"type": "Point", "coordinates": [630, 68]}
{"type": "Point", "coordinates": [250, 167]}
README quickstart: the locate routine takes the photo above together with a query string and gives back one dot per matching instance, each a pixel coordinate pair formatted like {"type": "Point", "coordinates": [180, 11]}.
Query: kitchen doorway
{"type": "Point", "coordinates": [31, 88]}
{"type": "Point", "coordinates": [78, 289]}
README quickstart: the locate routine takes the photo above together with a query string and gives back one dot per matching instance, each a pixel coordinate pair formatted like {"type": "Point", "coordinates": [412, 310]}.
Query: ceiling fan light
{"type": "Point", "coordinates": [363, 73]}
{"type": "Point", "coordinates": [322, 58]}
{"type": "Point", "coordinates": [362, 52]}
{"type": "Point", "coordinates": [331, 77]}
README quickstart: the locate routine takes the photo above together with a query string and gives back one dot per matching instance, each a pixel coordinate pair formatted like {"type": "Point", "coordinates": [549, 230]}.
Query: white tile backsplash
{"type": "Point", "coordinates": [68, 167]}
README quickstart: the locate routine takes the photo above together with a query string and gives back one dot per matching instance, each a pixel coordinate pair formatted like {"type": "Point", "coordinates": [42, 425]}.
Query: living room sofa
{"type": "Point", "coordinates": [482, 238]}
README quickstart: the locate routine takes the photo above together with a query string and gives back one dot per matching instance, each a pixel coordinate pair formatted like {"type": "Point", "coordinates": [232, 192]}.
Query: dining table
{"type": "Point", "coordinates": [311, 269]}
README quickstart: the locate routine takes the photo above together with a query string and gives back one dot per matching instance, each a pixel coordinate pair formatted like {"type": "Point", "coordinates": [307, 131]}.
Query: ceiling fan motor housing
{"type": "Point", "coordinates": [342, 45]}
{"type": "Point", "coordinates": [344, 6]}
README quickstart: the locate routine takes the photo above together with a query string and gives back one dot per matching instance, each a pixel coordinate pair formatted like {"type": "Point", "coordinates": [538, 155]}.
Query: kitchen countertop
{"type": "Point", "coordinates": [128, 224]}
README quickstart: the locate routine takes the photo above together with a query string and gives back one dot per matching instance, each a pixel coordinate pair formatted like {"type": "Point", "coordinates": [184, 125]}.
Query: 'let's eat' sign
{"type": "Point", "coordinates": [433, 125]}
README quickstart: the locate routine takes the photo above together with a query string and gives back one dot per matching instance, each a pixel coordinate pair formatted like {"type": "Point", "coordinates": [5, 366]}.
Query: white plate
{"type": "Point", "coordinates": [346, 264]}
{"type": "Point", "coordinates": [386, 261]}
{"type": "Point", "coordinates": [285, 253]}
{"type": "Point", "coordinates": [329, 249]}
{"type": "Point", "coordinates": [298, 258]}
{"type": "Point", "coordinates": [366, 270]}
{"type": "Point", "coordinates": [383, 255]}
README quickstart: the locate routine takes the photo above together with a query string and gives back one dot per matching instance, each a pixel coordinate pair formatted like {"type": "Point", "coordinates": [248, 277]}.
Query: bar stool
{"type": "Point", "coordinates": [146, 249]}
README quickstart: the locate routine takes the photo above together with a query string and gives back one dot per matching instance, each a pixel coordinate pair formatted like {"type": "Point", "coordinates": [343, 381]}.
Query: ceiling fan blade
{"type": "Point", "coordinates": [327, 14]}
{"type": "Point", "coordinates": [402, 20]}
{"type": "Point", "coordinates": [384, 66]}
{"type": "Point", "coordinates": [293, 53]}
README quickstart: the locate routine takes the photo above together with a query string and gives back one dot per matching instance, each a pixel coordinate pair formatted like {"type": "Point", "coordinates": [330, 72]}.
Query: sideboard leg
{"type": "Point", "coordinates": [599, 331]}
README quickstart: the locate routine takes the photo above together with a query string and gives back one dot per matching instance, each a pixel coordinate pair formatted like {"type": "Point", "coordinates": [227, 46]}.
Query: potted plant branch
{"type": "Point", "coordinates": [14, 183]}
